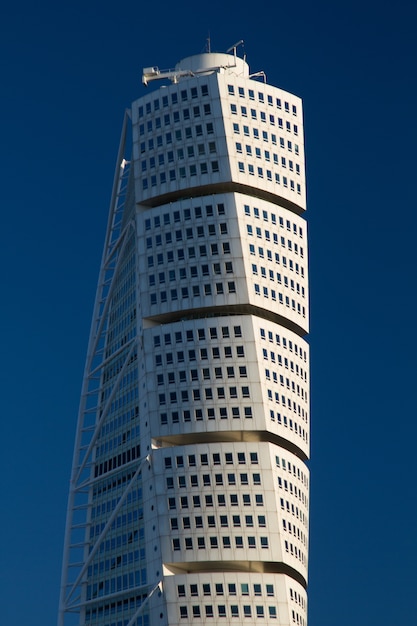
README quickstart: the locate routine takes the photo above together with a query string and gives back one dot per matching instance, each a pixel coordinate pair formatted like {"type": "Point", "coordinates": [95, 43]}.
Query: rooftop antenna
{"type": "Point", "coordinates": [208, 44]}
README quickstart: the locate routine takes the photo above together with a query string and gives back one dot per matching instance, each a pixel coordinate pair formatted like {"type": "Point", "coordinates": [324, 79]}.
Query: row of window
{"type": "Point", "coordinates": [256, 213]}
{"type": "Point", "coordinates": [264, 117]}
{"type": "Point", "coordinates": [112, 443]}
{"type": "Point", "coordinates": [184, 502]}
{"type": "Point", "coordinates": [286, 382]}
{"type": "Point", "coordinates": [263, 134]}
{"type": "Point", "coordinates": [119, 421]}
{"type": "Point", "coordinates": [213, 543]}
{"type": "Point", "coordinates": [194, 335]}
{"type": "Point", "coordinates": [183, 376]}
{"type": "Point", "coordinates": [292, 266]}
{"type": "Point", "coordinates": [281, 298]}
{"type": "Point", "coordinates": [125, 539]}
{"type": "Point", "coordinates": [176, 216]}
{"type": "Point", "coordinates": [268, 175]}
{"type": "Point", "coordinates": [269, 99]}
{"type": "Point", "coordinates": [283, 420]}
{"type": "Point", "coordinates": [298, 598]}
{"type": "Point", "coordinates": [283, 362]}
{"type": "Point", "coordinates": [290, 424]}
{"type": "Point", "coordinates": [267, 156]}
{"type": "Point", "coordinates": [173, 99]}
{"type": "Point", "coordinates": [210, 230]}
{"type": "Point", "coordinates": [292, 529]}
{"type": "Point", "coordinates": [278, 240]}
{"type": "Point", "coordinates": [289, 467]}
{"type": "Point", "coordinates": [211, 413]}
{"type": "Point", "coordinates": [117, 584]}
{"type": "Point", "coordinates": [121, 311]}
{"type": "Point", "coordinates": [286, 402]}
{"type": "Point", "coordinates": [122, 400]}
{"type": "Point", "coordinates": [202, 251]}
{"type": "Point", "coordinates": [167, 119]}
{"type": "Point", "coordinates": [180, 154]}
{"type": "Point", "coordinates": [287, 485]}
{"type": "Point", "coordinates": [230, 458]}
{"type": "Point", "coordinates": [203, 354]}
{"type": "Point", "coordinates": [284, 145]}
{"type": "Point", "coordinates": [246, 611]}
{"type": "Point", "coordinates": [275, 256]}
{"type": "Point", "coordinates": [125, 519]}
{"type": "Point", "coordinates": [209, 394]}
{"type": "Point", "coordinates": [116, 461]}
{"type": "Point", "coordinates": [218, 479]}
{"type": "Point", "coordinates": [250, 149]}
{"type": "Point", "coordinates": [245, 589]}
{"type": "Point", "coordinates": [286, 344]}
{"type": "Point", "coordinates": [113, 484]}
{"type": "Point", "coordinates": [236, 521]}
{"type": "Point", "coordinates": [294, 510]}
{"type": "Point", "coordinates": [127, 605]}
{"type": "Point", "coordinates": [107, 505]}
{"type": "Point", "coordinates": [290, 548]}
{"type": "Point", "coordinates": [190, 272]}
{"type": "Point", "coordinates": [276, 276]}
{"type": "Point", "coordinates": [109, 564]}
{"type": "Point", "coordinates": [182, 172]}
{"type": "Point", "coordinates": [161, 142]}
{"type": "Point", "coordinates": [194, 292]}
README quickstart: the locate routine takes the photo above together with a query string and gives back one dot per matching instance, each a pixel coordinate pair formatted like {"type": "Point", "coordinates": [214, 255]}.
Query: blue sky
{"type": "Point", "coordinates": [68, 72]}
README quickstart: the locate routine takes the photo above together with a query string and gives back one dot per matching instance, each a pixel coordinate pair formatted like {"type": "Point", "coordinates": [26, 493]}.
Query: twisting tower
{"type": "Point", "coordinates": [189, 491]}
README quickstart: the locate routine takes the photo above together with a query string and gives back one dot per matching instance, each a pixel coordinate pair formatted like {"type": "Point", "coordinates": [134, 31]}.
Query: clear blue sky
{"type": "Point", "coordinates": [68, 71]}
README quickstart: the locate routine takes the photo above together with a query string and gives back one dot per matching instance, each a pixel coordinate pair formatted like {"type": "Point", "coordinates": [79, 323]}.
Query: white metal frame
{"type": "Point", "coordinates": [91, 415]}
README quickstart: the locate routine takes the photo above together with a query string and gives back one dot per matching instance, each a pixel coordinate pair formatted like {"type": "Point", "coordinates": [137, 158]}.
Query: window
{"type": "Point", "coordinates": [219, 589]}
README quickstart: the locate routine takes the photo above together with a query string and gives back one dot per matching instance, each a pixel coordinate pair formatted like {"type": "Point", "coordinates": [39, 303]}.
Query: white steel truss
{"type": "Point", "coordinates": [92, 411]}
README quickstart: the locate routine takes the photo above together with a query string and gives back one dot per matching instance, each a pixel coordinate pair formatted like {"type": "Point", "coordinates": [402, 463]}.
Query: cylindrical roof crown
{"type": "Point", "coordinates": [211, 61]}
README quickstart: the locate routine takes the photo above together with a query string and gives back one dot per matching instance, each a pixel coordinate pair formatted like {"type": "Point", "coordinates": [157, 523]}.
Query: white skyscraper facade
{"type": "Point", "coordinates": [189, 494]}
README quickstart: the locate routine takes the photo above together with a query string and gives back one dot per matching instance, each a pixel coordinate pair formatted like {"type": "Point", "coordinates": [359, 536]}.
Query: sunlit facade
{"type": "Point", "coordinates": [189, 495]}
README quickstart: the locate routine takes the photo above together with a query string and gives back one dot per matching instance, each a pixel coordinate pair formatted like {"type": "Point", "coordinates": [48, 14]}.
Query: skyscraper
{"type": "Point", "coordinates": [189, 492]}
